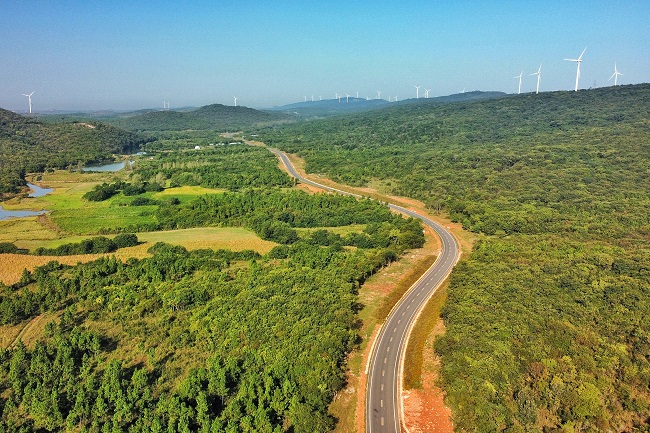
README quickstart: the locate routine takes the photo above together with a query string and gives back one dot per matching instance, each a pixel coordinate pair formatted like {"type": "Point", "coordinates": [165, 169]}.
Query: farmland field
{"type": "Point", "coordinates": [231, 238]}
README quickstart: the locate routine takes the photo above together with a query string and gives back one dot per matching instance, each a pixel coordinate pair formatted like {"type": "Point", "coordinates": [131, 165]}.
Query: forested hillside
{"type": "Point", "coordinates": [28, 145]}
{"type": "Point", "coordinates": [546, 321]}
{"type": "Point", "coordinates": [215, 117]}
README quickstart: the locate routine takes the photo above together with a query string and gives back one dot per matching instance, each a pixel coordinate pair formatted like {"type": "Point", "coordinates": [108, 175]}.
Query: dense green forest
{"type": "Point", "coordinates": [215, 117]}
{"type": "Point", "coordinates": [28, 145]}
{"type": "Point", "coordinates": [225, 166]}
{"type": "Point", "coordinates": [547, 326]}
{"type": "Point", "coordinates": [212, 341]}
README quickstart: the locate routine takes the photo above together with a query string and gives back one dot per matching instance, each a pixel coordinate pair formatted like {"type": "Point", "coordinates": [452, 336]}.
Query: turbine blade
{"type": "Point", "coordinates": [583, 51]}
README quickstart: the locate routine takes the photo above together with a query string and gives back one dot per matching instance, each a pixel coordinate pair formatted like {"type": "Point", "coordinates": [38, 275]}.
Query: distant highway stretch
{"type": "Point", "coordinates": [383, 401]}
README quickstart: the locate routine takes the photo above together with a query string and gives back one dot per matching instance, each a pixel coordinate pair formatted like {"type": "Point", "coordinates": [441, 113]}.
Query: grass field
{"type": "Point", "coordinates": [343, 230]}
{"type": "Point", "coordinates": [184, 193]}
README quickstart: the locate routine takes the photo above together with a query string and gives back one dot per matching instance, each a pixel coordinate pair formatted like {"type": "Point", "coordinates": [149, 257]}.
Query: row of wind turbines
{"type": "Point", "coordinates": [391, 98]}
{"type": "Point", "coordinates": [426, 91]}
{"type": "Point", "coordinates": [578, 61]}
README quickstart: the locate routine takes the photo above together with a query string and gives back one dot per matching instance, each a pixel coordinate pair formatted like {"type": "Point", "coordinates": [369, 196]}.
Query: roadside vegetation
{"type": "Point", "coordinates": [545, 321]}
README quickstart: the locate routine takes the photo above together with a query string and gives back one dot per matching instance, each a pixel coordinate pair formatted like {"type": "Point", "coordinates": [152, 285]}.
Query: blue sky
{"type": "Point", "coordinates": [130, 55]}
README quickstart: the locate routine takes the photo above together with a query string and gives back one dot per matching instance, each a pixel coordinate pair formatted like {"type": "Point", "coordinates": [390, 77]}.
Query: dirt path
{"type": "Point", "coordinates": [27, 328]}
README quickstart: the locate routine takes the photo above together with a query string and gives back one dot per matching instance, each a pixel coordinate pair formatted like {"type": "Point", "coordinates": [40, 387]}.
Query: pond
{"type": "Point", "coordinates": [38, 191]}
{"type": "Point", "coordinates": [7, 214]}
{"type": "Point", "coordinates": [115, 166]}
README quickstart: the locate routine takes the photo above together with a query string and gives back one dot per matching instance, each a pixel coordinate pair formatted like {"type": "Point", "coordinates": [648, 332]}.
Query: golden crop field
{"type": "Point", "coordinates": [232, 238]}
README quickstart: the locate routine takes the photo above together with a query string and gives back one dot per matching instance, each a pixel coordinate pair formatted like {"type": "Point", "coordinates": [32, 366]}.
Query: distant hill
{"type": "Point", "coordinates": [476, 95]}
{"type": "Point", "coordinates": [331, 107]}
{"type": "Point", "coordinates": [213, 117]}
{"type": "Point", "coordinates": [335, 107]}
{"type": "Point", "coordinates": [29, 145]}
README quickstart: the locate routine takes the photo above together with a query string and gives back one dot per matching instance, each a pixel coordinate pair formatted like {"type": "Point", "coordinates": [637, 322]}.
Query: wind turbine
{"type": "Point", "coordinates": [417, 92]}
{"type": "Point", "coordinates": [614, 76]}
{"type": "Point", "coordinates": [357, 95]}
{"type": "Point", "coordinates": [539, 75]}
{"type": "Point", "coordinates": [347, 98]}
{"type": "Point", "coordinates": [378, 94]}
{"type": "Point", "coordinates": [519, 76]}
{"type": "Point", "coordinates": [30, 101]}
{"type": "Point", "coordinates": [426, 93]}
{"type": "Point", "coordinates": [578, 61]}
{"type": "Point", "coordinates": [235, 100]}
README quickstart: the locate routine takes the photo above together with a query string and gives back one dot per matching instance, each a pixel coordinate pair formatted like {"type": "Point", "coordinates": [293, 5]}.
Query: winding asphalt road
{"type": "Point", "coordinates": [383, 402]}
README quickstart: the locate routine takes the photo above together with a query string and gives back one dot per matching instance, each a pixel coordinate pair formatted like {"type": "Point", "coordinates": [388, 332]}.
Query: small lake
{"type": "Point", "coordinates": [7, 214]}
{"type": "Point", "coordinates": [115, 166]}
{"type": "Point", "coordinates": [38, 191]}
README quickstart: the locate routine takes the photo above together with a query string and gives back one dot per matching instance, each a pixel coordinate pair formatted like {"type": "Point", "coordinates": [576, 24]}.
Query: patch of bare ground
{"type": "Point", "coordinates": [424, 406]}
{"type": "Point", "coordinates": [28, 331]}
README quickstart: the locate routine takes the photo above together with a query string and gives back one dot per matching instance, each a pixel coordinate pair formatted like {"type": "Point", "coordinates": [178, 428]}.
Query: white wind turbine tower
{"type": "Point", "coordinates": [539, 74]}
{"type": "Point", "coordinates": [235, 100]}
{"type": "Point", "coordinates": [426, 93]}
{"type": "Point", "coordinates": [417, 91]}
{"type": "Point", "coordinates": [614, 76]}
{"type": "Point", "coordinates": [519, 76]}
{"type": "Point", "coordinates": [30, 101]}
{"type": "Point", "coordinates": [378, 94]}
{"type": "Point", "coordinates": [347, 98]}
{"type": "Point", "coordinates": [578, 61]}
{"type": "Point", "coordinates": [357, 95]}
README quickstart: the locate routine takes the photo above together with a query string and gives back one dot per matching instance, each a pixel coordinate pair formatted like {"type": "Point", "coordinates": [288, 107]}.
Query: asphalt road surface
{"type": "Point", "coordinates": [383, 402]}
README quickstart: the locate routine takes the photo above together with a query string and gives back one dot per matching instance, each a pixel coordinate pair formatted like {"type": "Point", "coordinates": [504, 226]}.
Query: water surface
{"type": "Point", "coordinates": [38, 191]}
{"type": "Point", "coordinates": [115, 166]}
{"type": "Point", "coordinates": [7, 214]}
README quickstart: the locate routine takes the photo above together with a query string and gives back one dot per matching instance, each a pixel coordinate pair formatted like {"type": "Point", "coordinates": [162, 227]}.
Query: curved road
{"type": "Point", "coordinates": [383, 402]}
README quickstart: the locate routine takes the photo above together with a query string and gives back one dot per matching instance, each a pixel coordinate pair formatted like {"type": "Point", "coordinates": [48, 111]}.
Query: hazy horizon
{"type": "Point", "coordinates": [123, 56]}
